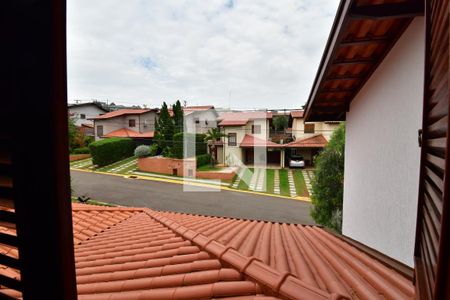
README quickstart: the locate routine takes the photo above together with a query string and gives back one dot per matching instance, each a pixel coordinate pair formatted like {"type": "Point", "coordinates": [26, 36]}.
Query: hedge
{"type": "Point", "coordinates": [203, 159]}
{"type": "Point", "coordinates": [107, 151]}
{"type": "Point", "coordinates": [200, 144]}
{"type": "Point", "coordinates": [84, 150]}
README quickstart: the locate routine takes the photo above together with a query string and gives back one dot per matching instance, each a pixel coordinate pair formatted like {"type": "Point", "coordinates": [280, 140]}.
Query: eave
{"type": "Point", "coordinates": [362, 35]}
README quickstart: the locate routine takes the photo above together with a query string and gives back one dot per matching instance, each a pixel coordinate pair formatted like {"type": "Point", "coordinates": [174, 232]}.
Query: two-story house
{"type": "Point", "coordinates": [83, 113]}
{"type": "Point", "coordinates": [138, 124]}
{"type": "Point", "coordinates": [309, 137]}
{"type": "Point", "coordinates": [199, 119]}
{"type": "Point", "coordinates": [247, 140]}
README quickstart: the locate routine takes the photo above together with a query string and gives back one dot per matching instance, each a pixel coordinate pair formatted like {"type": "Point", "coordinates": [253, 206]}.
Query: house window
{"type": "Point", "coordinates": [100, 130]}
{"type": "Point", "coordinates": [82, 116]}
{"type": "Point", "coordinates": [232, 139]}
{"type": "Point", "coordinates": [256, 129]}
{"type": "Point", "coordinates": [206, 122]}
{"type": "Point", "coordinates": [132, 123]}
{"type": "Point", "coordinates": [309, 128]}
{"type": "Point", "coordinates": [197, 121]}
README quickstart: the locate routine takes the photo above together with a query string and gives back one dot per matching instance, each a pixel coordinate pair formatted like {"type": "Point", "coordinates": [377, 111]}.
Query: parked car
{"type": "Point", "coordinates": [296, 162]}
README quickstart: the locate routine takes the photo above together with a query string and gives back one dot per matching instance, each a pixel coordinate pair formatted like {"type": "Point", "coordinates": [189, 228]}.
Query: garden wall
{"type": "Point", "coordinates": [215, 175]}
{"type": "Point", "coordinates": [74, 157]}
{"type": "Point", "coordinates": [169, 166]}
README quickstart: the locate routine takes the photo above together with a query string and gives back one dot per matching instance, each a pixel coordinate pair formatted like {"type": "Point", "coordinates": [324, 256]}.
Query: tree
{"type": "Point", "coordinates": [280, 122]}
{"type": "Point", "coordinates": [328, 184]}
{"type": "Point", "coordinates": [211, 137]}
{"type": "Point", "coordinates": [73, 133]}
{"type": "Point", "coordinates": [178, 116]}
{"type": "Point", "coordinates": [164, 130]}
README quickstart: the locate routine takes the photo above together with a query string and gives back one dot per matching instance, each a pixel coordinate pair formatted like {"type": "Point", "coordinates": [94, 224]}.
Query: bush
{"type": "Point", "coordinates": [84, 150]}
{"type": "Point", "coordinates": [107, 151]}
{"type": "Point", "coordinates": [142, 151]}
{"type": "Point", "coordinates": [203, 159]}
{"type": "Point", "coordinates": [199, 140]}
{"type": "Point", "coordinates": [88, 140]}
{"type": "Point", "coordinates": [328, 184]}
{"type": "Point", "coordinates": [154, 150]}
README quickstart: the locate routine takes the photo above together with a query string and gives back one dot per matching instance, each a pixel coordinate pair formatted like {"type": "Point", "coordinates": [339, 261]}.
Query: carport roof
{"type": "Point", "coordinates": [250, 141]}
{"type": "Point", "coordinates": [317, 141]}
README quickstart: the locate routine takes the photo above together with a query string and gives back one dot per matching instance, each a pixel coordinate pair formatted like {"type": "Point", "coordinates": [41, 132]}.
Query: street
{"type": "Point", "coordinates": [172, 197]}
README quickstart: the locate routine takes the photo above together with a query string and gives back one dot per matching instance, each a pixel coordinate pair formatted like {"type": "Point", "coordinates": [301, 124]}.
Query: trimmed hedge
{"type": "Point", "coordinates": [107, 151]}
{"type": "Point", "coordinates": [84, 150]}
{"type": "Point", "coordinates": [200, 144]}
{"type": "Point", "coordinates": [203, 159]}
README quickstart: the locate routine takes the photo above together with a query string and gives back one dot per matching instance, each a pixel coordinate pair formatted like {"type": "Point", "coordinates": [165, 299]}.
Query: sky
{"type": "Point", "coordinates": [228, 53]}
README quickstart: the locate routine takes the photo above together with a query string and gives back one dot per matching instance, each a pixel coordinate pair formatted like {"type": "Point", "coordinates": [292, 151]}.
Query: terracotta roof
{"type": "Point", "coordinates": [199, 107]}
{"type": "Point", "coordinates": [242, 118]}
{"type": "Point", "coordinates": [297, 113]}
{"type": "Point", "coordinates": [317, 141]}
{"type": "Point", "coordinates": [122, 112]}
{"type": "Point", "coordinates": [252, 141]}
{"type": "Point", "coordinates": [124, 132]}
{"type": "Point", "coordinates": [133, 253]}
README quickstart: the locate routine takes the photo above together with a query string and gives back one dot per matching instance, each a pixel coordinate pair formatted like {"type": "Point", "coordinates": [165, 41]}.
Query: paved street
{"type": "Point", "coordinates": [170, 196]}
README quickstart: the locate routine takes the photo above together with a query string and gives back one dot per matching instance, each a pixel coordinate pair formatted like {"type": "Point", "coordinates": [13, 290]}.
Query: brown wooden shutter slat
{"type": "Point", "coordinates": [432, 235]}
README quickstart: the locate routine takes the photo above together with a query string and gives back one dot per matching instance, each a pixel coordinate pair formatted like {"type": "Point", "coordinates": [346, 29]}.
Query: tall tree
{"type": "Point", "coordinates": [211, 137]}
{"type": "Point", "coordinates": [178, 116]}
{"type": "Point", "coordinates": [164, 130]}
{"type": "Point", "coordinates": [280, 122]}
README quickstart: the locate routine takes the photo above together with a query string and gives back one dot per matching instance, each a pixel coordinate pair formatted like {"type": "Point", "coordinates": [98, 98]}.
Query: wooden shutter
{"type": "Point", "coordinates": [432, 233]}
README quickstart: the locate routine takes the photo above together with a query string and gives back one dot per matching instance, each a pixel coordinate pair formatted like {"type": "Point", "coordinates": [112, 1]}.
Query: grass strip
{"type": "Point", "coordinates": [284, 183]}
{"type": "Point", "coordinates": [248, 173]}
{"type": "Point", "coordinates": [270, 180]}
{"type": "Point", "coordinates": [300, 184]}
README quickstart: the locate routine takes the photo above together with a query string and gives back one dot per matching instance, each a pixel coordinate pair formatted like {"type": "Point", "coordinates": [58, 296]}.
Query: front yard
{"type": "Point", "coordinates": [125, 166]}
{"type": "Point", "coordinates": [285, 182]}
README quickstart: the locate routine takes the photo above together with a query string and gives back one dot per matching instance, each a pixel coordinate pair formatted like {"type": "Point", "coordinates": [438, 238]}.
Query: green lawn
{"type": "Point", "coordinates": [208, 167]}
{"type": "Point", "coordinates": [270, 180]}
{"type": "Point", "coordinates": [246, 177]}
{"type": "Point", "coordinates": [119, 167]}
{"type": "Point", "coordinates": [284, 183]}
{"type": "Point", "coordinates": [300, 184]}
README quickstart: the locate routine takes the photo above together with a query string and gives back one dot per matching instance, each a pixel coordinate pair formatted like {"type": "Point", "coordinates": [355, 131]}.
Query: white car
{"type": "Point", "coordinates": [296, 162]}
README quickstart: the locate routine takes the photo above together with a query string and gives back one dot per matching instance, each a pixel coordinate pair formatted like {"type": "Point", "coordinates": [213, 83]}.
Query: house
{"type": "Point", "coordinates": [248, 140]}
{"type": "Point", "coordinates": [83, 113]}
{"type": "Point", "coordinates": [391, 88]}
{"type": "Point", "coordinates": [200, 119]}
{"type": "Point", "coordinates": [309, 137]}
{"type": "Point", "coordinates": [138, 124]}
{"type": "Point", "coordinates": [139, 253]}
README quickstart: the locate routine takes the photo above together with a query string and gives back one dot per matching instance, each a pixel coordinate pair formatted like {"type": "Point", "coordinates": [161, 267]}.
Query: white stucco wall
{"type": "Point", "coordinates": [298, 129]}
{"type": "Point", "coordinates": [382, 154]}
{"type": "Point", "coordinates": [90, 111]}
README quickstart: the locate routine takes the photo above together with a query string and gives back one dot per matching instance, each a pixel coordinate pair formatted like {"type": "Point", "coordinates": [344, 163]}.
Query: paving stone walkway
{"type": "Point", "coordinates": [292, 189]}
{"type": "Point", "coordinates": [238, 178]}
{"type": "Point", "coordinates": [308, 175]}
{"type": "Point", "coordinates": [276, 184]}
{"type": "Point", "coordinates": [254, 179]}
{"type": "Point", "coordinates": [261, 183]}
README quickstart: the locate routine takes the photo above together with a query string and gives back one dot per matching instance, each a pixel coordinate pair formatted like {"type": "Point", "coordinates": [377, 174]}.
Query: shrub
{"type": "Point", "coordinates": [110, 150]}
{"type": "Point", "coordinates": [198, 139]}
{"type": "Point", "coordinates": [328, 184]}
{"type": "Point", "coordinates": [153, 150]}
{"type": "Point", "coordinates": [203, 159]}
{"type": "Point", "coordinates": [84, 150]}
{"type": "Point", "coordinates": [88, 140]}
{"type": "Point", "coordinates": [142, 151]}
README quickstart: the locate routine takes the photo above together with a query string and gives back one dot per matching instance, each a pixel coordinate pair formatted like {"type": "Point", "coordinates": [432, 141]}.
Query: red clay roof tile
{"type": "Point", "coordinates": [129, 253]}
{"type": "Point", "coordinates": [317, 141]}
{"type": "Point", "coordinates": [124, 132]}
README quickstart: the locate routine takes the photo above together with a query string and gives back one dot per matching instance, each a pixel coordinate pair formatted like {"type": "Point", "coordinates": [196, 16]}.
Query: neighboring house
{"type": "Point", "coordinates": [248, 140]}
{"type": "Point", "coordinates": [309, 137]}
{"type": "Point", "coordinates": [138, 124]}
{"type": "Point", "coordinates": [372, 76]}
{"type": "Point", "coordinates": [83, 113]}
{"type": "Point", "coordinates": [200, 118]}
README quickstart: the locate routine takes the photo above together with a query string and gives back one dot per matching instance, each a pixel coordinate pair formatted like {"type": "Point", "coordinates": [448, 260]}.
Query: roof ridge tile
{"type": "Point", "coordinates": [285, 284]}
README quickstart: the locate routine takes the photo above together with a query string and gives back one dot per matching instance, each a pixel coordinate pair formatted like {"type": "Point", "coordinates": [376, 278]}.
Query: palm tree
{"type": "Point", "coordinates": [211, 137]}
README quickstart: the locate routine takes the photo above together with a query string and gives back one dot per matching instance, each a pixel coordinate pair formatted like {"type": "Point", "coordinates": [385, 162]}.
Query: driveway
{"type": "Point", "coordinates": [172, 197]}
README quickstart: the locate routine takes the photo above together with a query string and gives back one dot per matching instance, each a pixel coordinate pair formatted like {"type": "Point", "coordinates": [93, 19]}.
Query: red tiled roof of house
{"type": "Point", "coordinates": [122, 112]}
{"type": "Point", "coordinates": [317, 141]}
{"type": "Point", "coordinates": [252, 141]}
{"type": "Point", "coordinates": [199, 107]}
{"type": "Point", "coordinates": [242, 118]}
{"type": "Point", "coordinates": [124, 132]}
{"type": "Point", "coordinates": [297, 113]}
{"type": "Point", "coordinates": [138, 253]}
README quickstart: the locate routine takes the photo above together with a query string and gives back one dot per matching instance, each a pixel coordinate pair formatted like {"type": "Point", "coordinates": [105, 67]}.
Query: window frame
{"type": "Point", "coordinates": [83, 116]}
{"type": "Point", "coordinates": [232, 135]}
{"type": "Point", "coordinates": [309, 130]}
{"type": "Point", "coordinates": [97, 130]}
{"type": "Point", "coordinates": [254, 127]}
{"type": "Point", "coordinates": [131, 122]}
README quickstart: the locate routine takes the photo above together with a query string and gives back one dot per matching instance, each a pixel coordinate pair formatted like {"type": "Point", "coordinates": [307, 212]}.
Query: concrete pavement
{"type": "Point", "coordinates": [172, 197]}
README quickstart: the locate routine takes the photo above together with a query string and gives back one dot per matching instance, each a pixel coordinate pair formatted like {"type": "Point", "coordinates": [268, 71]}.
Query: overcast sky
{"type": "Point", "coordinates": [238, 54]}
